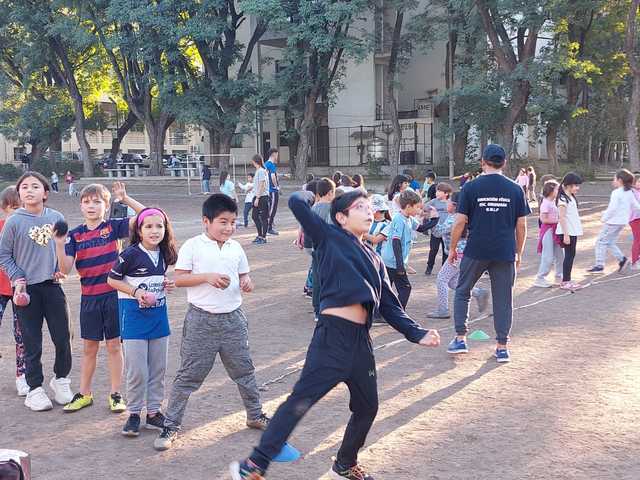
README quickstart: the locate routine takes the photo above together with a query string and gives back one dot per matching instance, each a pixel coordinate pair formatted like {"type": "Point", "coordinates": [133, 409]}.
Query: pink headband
{"type": "Point", "coordinates": [148, 213]}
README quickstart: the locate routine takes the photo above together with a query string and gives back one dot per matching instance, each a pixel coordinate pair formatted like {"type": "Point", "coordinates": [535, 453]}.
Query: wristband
{"type": "Point", "coordinates": [133, 294]}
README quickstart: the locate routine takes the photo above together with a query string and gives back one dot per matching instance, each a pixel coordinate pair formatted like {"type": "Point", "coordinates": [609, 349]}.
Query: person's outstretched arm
{"type": "Point", "coordinates": [314, 226]}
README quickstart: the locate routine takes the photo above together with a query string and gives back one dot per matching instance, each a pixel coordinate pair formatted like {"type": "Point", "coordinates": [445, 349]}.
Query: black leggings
{"type": "Point", "coordinates": [434, 245]}
{"type": "Point", "coordinates": [569, 257]}
{"type": "Point", "coordinates": [47, 302]}
{"type": "Point", "coordinates": [260, 215]}
{"type": "Point", "coordinates": [273, 207]}
{"type": "Point", "coordinates": [340, 351]}
{"type": "Point", "coordinates": [402, 284]}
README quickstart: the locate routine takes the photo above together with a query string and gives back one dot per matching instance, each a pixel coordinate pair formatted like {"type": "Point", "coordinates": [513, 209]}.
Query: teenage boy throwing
{"type": "Point", "coordinates": [353, 284]}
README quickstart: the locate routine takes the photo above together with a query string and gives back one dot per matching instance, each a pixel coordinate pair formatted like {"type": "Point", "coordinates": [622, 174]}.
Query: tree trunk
{"type": "Point", "coordinates": [390, 97]}
{"type": "Point", "coordinates": [460, 149]}
{"type": "Point", "coordinates": [157, 136]}
{"type": "Point", "coordinates": [630, 47]}
{"type": "Point", "coordinates": [306, 129]}
{"type": "Point", "coordinates": [632, 125]}
{"type": "Point", "coordinates": [225, 149]}
{"type": "Point", "coordinates": [552, 146]}
{"type": "Point", "coordinates": [81, 136]}
{"type": "Point", "coordinates": [122, 131]}
{"type": "Point", "coordinates": [36, 153]}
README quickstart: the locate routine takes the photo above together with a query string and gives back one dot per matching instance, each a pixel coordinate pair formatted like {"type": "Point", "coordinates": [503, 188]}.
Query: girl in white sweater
{"type": "Point", "coordinates": [617, 215]}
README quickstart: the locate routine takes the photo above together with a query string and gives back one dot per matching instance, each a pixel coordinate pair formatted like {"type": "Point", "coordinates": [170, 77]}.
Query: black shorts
{"type": "Point", "coordinates": [99, 317]}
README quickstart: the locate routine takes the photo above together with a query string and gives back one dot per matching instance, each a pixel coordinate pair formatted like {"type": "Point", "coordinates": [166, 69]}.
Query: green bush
{"type": "Point", "coordinates": [9, 172]}
{"type": "Point", "coordinates": [45, 166]}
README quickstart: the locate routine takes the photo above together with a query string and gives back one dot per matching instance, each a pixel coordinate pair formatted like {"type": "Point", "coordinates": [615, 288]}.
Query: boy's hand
{"type": "Point", "coordinates": [431, 339]}
{"type": "Point", "coordinates": [59, 276]}
{"type": "Point", "coordinates": [246, 285]}
{"type": "Point", "coordinates": [169, 285]}
{"type": "Point", "coordinates": [119, 191]}
{"type": "Point", "coordinates": [453, 256]}
{"type": "Point", "coordinates": [218, 280]}
{"type": "Point", "coordinates": [566, 239]}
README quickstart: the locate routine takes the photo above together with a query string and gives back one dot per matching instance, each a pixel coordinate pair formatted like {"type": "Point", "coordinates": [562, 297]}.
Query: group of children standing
{"type": "Point", "coordinates": [561, 226]}
{"type": "Point", "coordinates": [124, 302]}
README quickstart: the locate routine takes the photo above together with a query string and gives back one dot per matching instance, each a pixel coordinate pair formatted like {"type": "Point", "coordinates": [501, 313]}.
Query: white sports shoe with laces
{"type": "Point", "coordinates": [62, 390]}
{"type": "Point", "coordinates": [38, 401]}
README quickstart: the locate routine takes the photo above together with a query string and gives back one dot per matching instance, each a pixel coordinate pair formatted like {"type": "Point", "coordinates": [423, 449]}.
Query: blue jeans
{"type": "Point", "coordinates": [205, 186]}
{"type": "Point", "coordinates": [502, 275]}
{"type": "Point", "coordinates": [247, 210]}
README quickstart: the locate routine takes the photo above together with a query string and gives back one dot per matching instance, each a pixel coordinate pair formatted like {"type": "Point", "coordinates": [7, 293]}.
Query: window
{"type": "Point", "coordinates": [236, 140]}
{"type": "Point", "coordinates": [283, 138]}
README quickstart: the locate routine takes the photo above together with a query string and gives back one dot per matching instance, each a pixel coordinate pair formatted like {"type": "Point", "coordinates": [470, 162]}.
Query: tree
{"type": "Point", "coordinates": [139, 40]}
{"type": "Point", "coordinates": [514, 55]}
{"type": "Point", "coordinates": [632, 51]}
{"type": "Point", "coordinates": [34, 110]}
{"type": "Point", "coordinates": [217, 68]}
{"type": "Point", "coordinates": [57, 42]}
{"type": "Point", "coordinates": [321, 36]}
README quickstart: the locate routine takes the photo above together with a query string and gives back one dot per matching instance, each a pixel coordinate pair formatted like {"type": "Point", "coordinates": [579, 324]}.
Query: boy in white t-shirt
{"type": "Point", "coordinates": [215, 270]}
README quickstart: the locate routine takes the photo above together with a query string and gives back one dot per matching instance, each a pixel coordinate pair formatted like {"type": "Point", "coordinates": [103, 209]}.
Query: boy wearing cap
{"type": "Point", "coordinates": [93, 246]}
{"type": "Point", "coordinates": [495, 209]}
{"type": "Point", "coordinates": [379, 230]}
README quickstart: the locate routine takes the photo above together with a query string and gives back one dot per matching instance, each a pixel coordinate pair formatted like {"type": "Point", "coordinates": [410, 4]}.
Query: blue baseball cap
{"type": "Point", "coordinates": [493, 150]}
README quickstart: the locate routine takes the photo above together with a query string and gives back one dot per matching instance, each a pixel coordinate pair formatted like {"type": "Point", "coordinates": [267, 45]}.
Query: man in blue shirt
{"type": "Point", "coordinates": [494, 209]}
{"type": "Point", "coordinates": [274, 188]}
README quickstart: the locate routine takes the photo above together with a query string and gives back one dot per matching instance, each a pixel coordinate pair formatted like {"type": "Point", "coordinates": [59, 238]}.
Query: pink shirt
{"type": "Point", "coordinates": [523, 180]}
{"type": "Point", "coordinates": [549, 207]}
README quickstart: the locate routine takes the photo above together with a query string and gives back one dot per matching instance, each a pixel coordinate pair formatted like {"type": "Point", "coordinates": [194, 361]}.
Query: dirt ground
{"type": "Point", "coordinates": [564, 408]}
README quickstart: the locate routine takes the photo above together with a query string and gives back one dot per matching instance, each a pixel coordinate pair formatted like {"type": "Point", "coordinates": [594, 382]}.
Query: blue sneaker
{"type": "Point", "coordinates": [502, 355]}
{"type": "Point", "coordinates": [457, 346]}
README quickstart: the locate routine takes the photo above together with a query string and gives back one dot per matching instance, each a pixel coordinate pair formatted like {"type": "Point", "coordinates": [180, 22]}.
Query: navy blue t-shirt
{"type": "Point", "coordinates": [493, 204]}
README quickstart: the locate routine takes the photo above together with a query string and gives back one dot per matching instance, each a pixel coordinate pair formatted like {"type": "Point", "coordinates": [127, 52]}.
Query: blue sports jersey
{"type": "Point", "coordinates": [136, 266]}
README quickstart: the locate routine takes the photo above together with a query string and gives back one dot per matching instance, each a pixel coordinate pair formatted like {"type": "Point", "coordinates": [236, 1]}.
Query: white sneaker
{"type": "Point", "coordinates": [635, 266]}
{"type": "Point", "coordinates": [542, 283]}
{"type": "Point", "coordinates": [62, 390]}
{"type": "Point", "coordinates": [21, 386]}
{"type": "Point", "coordinates": [37, 400]}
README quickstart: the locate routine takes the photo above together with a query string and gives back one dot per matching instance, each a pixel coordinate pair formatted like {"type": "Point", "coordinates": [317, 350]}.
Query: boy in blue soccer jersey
{"type": "Point", "coordinates": [93, 246]}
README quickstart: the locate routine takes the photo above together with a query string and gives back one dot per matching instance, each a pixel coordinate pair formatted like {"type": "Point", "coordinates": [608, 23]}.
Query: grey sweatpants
{"type": "Point", "coordinates": [607, 242]}
{"type": "Point", "coordinates": [502, 275]}
{"type": "Point", "coordinates": [145, 364]}
{"type": "Point", "coordinates": [204, 335]}
{"type": "Point", "coordinates": [552, 254]}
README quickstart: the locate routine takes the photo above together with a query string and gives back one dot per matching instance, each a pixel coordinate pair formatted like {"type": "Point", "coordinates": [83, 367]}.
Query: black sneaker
{"type": "Point", "coordinates": [596, 269]}
{"type": "Point", "coordinates": [132, 427]}
{"type": "Point", "coordinates": [622, 263]}
{"type": "Point", "coordinates": [259, 423]}
{"type": "Point", "coordinates": [273, 232]}
{"type": "Point", "coordinates": [356, 472]}
{"type": "Point", "coordinates": [156, 422]}
{"type": "Point", "coordinates": [428, 271]}
{"type": "Point", "coordinates": [165, 439]}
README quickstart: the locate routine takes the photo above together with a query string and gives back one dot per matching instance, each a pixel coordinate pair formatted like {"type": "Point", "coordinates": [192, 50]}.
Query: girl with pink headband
{"type": "Point", "coordinates": [139, 275]}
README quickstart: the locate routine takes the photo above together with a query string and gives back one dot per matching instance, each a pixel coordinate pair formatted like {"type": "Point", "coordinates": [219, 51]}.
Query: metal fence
{"type": "Point", "coordinates": [354, 146]}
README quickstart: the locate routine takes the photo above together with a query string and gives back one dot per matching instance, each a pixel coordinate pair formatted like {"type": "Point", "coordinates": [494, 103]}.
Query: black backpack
{"type": "Point", "coordinates": [11, 470]}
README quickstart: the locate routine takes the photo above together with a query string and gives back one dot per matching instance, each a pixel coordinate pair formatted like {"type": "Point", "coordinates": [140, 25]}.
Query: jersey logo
{"type": "Point", "coordinates": [141, 270]}
{"type": "Point", "coordinates": [104, 233]}
{"type": "Point", "coordinates": [41, 235]}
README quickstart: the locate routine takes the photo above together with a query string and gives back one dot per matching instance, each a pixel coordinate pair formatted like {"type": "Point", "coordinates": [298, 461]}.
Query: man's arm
{"type": "Point", "coordinates": [521, 236]}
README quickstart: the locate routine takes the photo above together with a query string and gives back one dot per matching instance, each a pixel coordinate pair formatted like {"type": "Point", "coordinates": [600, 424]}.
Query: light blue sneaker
{"type": "Point", "coordinates": [457, 346]}
{"type": "Point", "coordinates": [502, 355]}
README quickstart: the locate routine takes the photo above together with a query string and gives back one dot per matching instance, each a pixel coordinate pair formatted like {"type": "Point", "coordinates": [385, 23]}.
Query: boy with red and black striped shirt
{"type": "Point", "coordinates": [94, 247]}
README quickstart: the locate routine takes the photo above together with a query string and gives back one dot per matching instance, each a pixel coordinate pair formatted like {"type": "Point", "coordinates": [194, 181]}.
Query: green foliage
{"type": "Point", "coordinates": [9, 172]}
